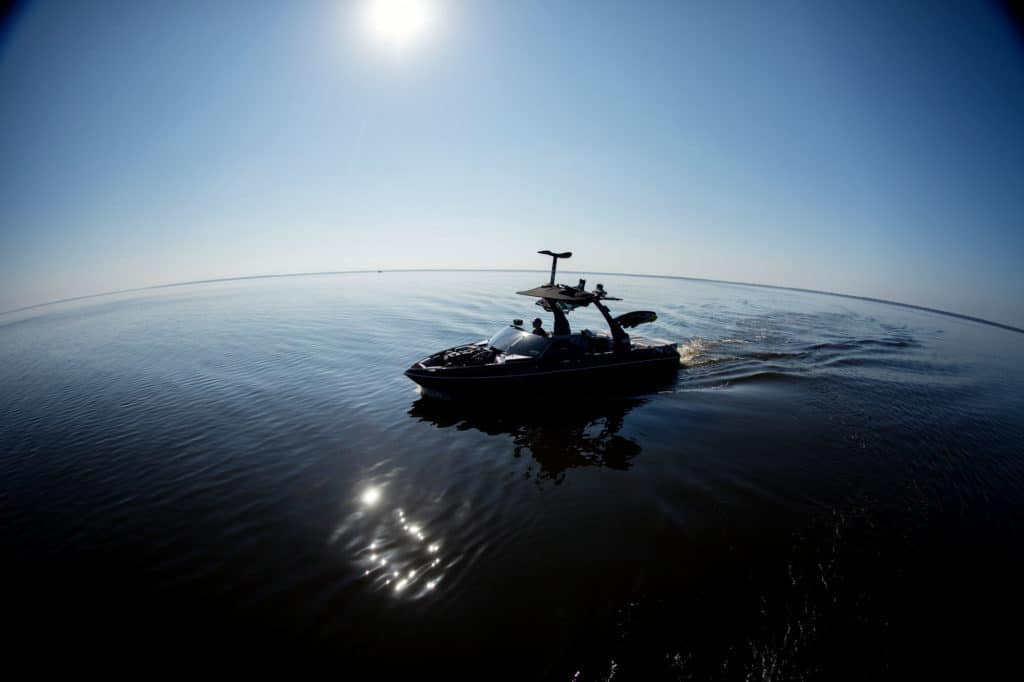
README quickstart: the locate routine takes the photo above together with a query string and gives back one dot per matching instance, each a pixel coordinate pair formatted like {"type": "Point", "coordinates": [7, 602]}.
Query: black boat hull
{"type": "Point", "coordinates": [610, 374]}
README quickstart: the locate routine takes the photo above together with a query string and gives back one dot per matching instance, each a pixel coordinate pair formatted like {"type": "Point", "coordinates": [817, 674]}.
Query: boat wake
{"type": "Point", "coordinates": [719, 363]}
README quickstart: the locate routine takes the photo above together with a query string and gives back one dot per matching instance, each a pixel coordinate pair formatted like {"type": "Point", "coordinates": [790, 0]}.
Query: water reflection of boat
{"type": "Point", "coordinates": [519, 359]}
{"type": "Point", "coordinates": [558, 436]}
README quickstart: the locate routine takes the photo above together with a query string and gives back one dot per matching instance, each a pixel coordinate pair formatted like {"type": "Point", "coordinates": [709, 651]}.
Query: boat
{"type": "Point", "coordinates": [517, 359]}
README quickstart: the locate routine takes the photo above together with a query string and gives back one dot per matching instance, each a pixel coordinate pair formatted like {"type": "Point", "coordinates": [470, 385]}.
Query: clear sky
{"type": "Point", "coordinates": [868, 148]}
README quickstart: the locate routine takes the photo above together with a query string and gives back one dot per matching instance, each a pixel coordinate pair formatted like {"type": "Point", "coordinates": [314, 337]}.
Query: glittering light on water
{"type": "Point", "coordinates": [371, 496]}
{"type": "Point", "coordinates": [397, 553]}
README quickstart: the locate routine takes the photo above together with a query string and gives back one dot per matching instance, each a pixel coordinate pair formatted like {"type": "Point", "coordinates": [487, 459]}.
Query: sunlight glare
{"type": "Point", "coordinates": [371, 496]}
{"type": "Point", "coordinates": [399, 23]}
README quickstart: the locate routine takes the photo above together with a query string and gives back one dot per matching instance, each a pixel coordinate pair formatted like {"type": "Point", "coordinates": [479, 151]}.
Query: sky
{"type": "Point", "coordinates": [868, 148]}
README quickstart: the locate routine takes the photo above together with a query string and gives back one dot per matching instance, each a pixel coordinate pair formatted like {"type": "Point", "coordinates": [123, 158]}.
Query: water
{"type": "Point", "coordinates": [237, 474]}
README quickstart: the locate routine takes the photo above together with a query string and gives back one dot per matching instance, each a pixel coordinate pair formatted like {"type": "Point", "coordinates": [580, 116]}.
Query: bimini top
{"type": "Point", "coordinates": [576, 296]}
{"type": "Point", "coordinates": [567, 294]}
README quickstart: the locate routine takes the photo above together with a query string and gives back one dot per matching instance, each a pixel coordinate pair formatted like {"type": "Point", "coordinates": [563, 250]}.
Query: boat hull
{"type": "Point", "coordinates": [612, 373]}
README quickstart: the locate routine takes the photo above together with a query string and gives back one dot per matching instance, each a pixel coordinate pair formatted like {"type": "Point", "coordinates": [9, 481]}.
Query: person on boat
{"type": "Point", "coordinates": [538, 327]}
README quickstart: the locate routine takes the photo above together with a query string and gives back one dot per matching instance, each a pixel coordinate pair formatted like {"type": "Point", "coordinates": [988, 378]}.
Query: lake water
{"type": "Point", "coordinates": [238, 474]}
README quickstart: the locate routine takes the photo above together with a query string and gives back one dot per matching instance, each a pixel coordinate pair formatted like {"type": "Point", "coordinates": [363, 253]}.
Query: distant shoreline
{"type": "Point", "coordinates": [912, 306]}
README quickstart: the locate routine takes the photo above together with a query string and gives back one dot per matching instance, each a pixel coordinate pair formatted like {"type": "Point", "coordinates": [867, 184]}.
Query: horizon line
{"type": "Point", "coordinates": [872, 299]}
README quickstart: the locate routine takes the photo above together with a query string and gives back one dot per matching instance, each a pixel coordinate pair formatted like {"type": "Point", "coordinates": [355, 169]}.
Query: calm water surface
{"type": "Point", "coordinates": [238, 474]}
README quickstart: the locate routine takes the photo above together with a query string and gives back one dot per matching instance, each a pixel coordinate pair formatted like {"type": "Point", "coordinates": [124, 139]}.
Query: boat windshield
{"type": "Point", "coordinates": [512, 340]}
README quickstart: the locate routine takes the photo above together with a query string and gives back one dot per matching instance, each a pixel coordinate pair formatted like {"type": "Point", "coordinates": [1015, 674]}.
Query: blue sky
{"type": "Point", "coordinates": [869, 148]}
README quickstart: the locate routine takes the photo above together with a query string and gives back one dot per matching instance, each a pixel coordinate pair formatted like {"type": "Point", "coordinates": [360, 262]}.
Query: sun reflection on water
{"type": "Point", "coordinates": [402, 555]}
{"type": "Point", "coordinates": [370, 496]}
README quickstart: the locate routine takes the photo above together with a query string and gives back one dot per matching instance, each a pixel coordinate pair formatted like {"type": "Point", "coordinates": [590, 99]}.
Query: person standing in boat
{"type": "Point", "coordinates": [538, 327]}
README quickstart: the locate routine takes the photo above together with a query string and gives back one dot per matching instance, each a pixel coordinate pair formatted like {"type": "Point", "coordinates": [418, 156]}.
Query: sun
{"type": "Point", "coordinates": [399, 23]}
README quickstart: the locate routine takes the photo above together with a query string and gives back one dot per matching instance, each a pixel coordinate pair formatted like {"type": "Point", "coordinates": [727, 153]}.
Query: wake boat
{"type": "Point", "coordinates": [517, 359]}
